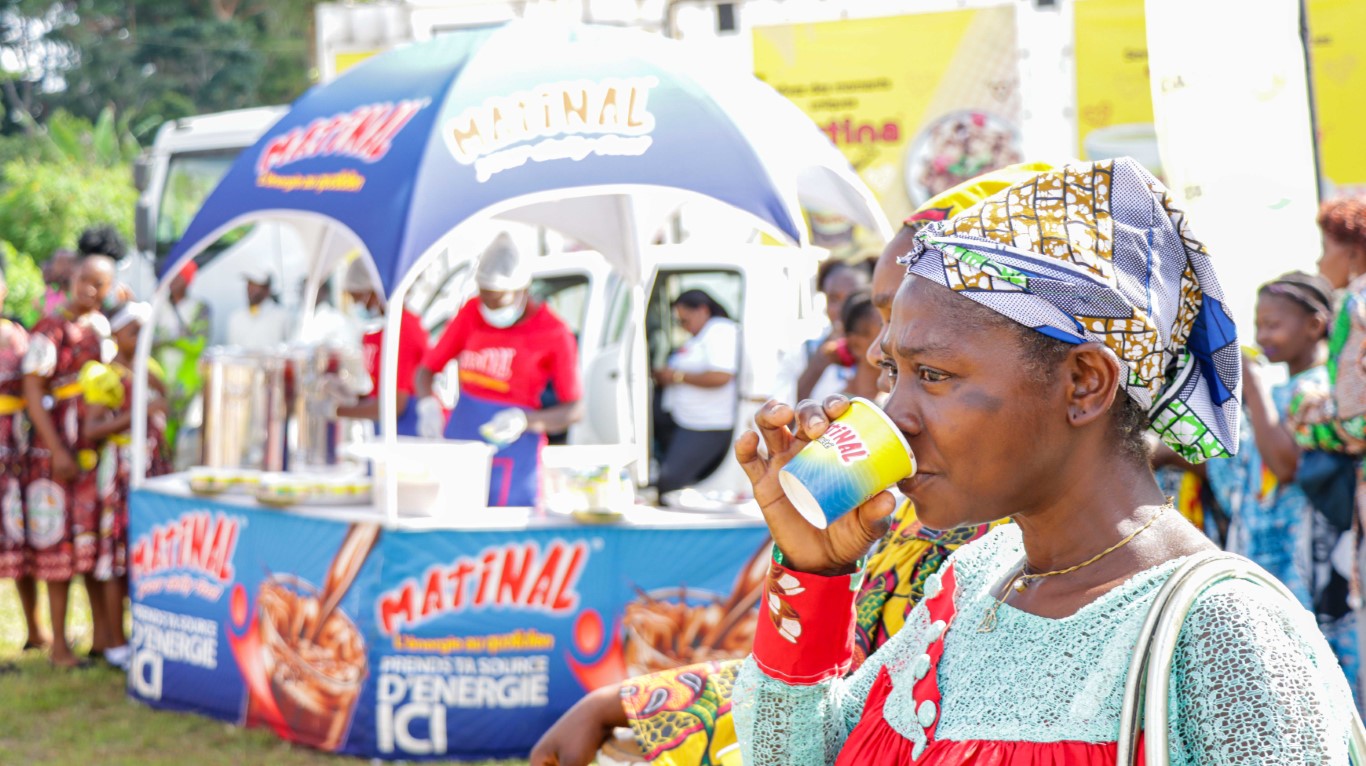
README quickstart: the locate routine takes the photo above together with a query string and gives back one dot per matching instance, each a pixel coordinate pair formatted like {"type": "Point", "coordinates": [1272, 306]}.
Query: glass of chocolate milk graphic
{"type": "Point", "coordinates": [312, 655]}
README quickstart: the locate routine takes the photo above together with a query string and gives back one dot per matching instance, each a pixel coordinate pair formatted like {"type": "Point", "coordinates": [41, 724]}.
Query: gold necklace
{"type": "Point", "coordinates": [1023, 579]}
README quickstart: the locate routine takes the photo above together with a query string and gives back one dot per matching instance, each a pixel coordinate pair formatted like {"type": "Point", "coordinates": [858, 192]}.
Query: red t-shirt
{"type": "Point", "coordinates": [512, 365]}
{"type": "Point", "coordinates": [412, 347]}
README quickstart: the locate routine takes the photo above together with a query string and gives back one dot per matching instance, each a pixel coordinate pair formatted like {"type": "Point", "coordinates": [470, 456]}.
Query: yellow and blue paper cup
{"type": "Point", "coordinates": [859, 455]}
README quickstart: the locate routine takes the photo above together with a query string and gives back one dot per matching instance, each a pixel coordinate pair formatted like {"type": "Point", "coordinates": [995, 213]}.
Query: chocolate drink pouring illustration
{"type": "Point", "coordinates": [664, 630]}
{"type": "Point", "coordinates": [312, 655]}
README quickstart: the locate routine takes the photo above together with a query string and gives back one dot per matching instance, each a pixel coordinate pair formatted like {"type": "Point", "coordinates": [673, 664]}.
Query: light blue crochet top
{"type": "Point", "coordinates": [1254, 681]}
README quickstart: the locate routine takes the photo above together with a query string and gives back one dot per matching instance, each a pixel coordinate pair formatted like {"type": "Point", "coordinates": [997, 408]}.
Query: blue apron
{"type": "Point", "coordinates": [515, 476]}
{"type": "Point", "coordinates": [407, 419]}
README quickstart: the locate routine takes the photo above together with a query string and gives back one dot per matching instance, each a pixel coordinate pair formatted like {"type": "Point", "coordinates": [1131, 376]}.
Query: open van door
{"type": "Point", "coordinates": [768, 290]}
{"type": "Point", "coordinates": [614, 390]}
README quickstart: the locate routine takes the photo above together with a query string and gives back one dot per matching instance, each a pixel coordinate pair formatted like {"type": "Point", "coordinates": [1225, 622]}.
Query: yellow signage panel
{"type": "Point", "coordinates": [344, 61]}
{"type": "Point", "coordinates": [1114, 103]}
{"type": "Point", "coordinates": [917, 103]}
{"type": "Point", "coordinates": [1337, 51]}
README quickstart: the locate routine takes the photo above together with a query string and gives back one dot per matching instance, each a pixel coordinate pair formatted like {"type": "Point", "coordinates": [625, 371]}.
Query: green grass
{"type": "Point", "coordinates": [82, 717]}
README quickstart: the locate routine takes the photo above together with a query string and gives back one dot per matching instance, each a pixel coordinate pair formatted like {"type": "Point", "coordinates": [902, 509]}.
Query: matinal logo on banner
{"type": "Point", "coordinates": [555, 121]}
{"type": "Point", "coordinates": [189, 559]}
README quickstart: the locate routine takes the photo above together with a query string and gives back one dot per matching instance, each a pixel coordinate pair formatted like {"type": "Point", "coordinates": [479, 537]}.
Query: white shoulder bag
{"type": "Point", "coordinates": [1150, 670]}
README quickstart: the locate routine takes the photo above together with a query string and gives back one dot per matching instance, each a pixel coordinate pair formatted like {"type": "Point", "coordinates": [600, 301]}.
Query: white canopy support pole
{"type": "Point", "coordinates": [309, 300]}
{"type": "Point", "coordinates": [138, 468]}
{"type": "Point", "coordinates": [388, 400]}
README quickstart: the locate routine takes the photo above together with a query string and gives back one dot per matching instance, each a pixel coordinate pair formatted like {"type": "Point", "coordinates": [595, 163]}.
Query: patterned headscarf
{"type": "Point", "coordinates": [951, 202]}
{"type": "Point", "coordinates": [1097, 252]}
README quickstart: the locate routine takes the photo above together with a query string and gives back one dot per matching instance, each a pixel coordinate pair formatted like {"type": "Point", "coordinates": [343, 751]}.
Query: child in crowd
{"type": "Point", "coordinates": [862, 327]}
{"type": "Point", "coordinates": [108, 421]}
{"type": "Point", "coordinates": [1272, 521]}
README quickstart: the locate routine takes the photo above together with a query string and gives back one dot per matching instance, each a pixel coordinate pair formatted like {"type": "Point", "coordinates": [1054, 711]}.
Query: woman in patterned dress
{"type": "Point", "coordinates": [13, 445]}
{"type": "Point", "coordinates": [1039, 335]}
{"type": "Point", "coordinates": [108, 420]}
{"type": "Point", "coordinates": [62, 499]}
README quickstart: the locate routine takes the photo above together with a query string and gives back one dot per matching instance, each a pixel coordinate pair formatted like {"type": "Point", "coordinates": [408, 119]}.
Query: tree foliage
{"type": "Point", "coordinates": [45, 205]}
{"type": "Point", "coordinates": [24, 281]}
{"type": "Point", "coordinates": [154, 60]}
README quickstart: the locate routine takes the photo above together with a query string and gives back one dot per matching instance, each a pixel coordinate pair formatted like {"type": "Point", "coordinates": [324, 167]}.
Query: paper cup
{"type": "Point", "coordinates": [859, 455]}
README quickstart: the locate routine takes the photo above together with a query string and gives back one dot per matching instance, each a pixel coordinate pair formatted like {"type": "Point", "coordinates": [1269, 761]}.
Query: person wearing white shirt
{"type": "Point", "coordinates": [699, 392]}
{"type": "Point", "coordinates": [262, 323]}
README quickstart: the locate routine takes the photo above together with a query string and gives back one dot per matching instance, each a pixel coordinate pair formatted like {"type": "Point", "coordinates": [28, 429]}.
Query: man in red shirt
{"type": "Point", "coordinates": [509, 349]}
{"type": "Point", "coordinates": [412, 347]}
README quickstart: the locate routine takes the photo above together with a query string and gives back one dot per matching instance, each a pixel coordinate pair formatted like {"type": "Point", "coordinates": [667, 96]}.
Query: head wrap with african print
{"type": "Point", "coordinates": [1098, 252]}
{"type": "Point", "coordinates": [951, 202]}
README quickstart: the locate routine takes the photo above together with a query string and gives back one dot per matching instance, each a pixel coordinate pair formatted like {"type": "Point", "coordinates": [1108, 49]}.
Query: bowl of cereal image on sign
{"type": "Point", "coordinates": [957, 147]}
{"type": "Point", "coordinates": [860, 454]}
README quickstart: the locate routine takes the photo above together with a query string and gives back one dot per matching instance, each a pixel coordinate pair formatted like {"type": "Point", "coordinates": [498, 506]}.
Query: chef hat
{"type": "Point", "coordinates": [133, 311]}
{"type": "Point", "coordinates": [260, 274]}
{"type": "Point", "coordinates": [357, 278]}
{"type": "Point", "coordinates": [501, 268]}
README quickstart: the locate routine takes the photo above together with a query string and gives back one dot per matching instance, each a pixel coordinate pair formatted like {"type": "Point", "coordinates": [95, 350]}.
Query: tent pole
{"type": "Point", "coordinates": [388, 387]}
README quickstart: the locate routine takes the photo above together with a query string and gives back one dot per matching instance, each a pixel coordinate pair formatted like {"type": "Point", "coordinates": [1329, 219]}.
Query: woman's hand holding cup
{"type": "Point", "coordinates": [806, 547]}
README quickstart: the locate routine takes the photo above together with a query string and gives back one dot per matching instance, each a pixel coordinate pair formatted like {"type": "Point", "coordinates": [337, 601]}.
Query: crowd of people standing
{"type": "Point", "coordinates": [66, 392]}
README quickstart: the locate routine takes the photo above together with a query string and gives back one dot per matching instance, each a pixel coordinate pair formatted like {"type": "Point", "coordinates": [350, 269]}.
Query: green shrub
{"type": "Point", "coordinates": [25, 281]}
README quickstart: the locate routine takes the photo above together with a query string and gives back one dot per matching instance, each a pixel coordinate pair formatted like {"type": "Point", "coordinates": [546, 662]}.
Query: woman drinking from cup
{"type": "Point", "coordinates": [898, 568]}
{"type": "Point", "coordinates": [1040, 334]}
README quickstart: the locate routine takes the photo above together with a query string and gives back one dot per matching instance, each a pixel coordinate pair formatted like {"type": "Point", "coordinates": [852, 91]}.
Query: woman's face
{"type": "Point", "coordinates": [839, 285]}
{"type": "Point", "coordinates": [863, 339]}
{"type": "Point", "coordinates": [1337, 264]}
{"type": "Point", "coordinates": [983, 431]}
{"type": "Point", "coordinates": [1285, 330]}
{"type": "Point", "coordinates": [691, 319]}
{"type": "Point", "coordinates": [887, 277]}
{"type": "Point", "coordinates": [90, 285]}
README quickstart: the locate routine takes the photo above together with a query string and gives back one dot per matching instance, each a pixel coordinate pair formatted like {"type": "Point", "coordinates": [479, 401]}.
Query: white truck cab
{"type": "Point", "coordinates": [185, 162]}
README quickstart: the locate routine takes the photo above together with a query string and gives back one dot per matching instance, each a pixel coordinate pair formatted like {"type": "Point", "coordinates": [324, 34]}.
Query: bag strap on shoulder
{"type": "Point", "coordinates": [1149, 679]}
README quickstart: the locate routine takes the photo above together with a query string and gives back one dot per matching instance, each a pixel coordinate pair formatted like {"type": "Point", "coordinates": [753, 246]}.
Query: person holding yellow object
{"type": "Point", "coordinates": [682, 717]}
{"type": "Point", "coordinates": [61, 499]}
{"type": "Point", "coordinates": [108, 392]}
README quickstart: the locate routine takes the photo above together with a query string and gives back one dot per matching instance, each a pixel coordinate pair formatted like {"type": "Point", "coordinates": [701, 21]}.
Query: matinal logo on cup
{"type": "Point", "coordinates": [845, 441]}
{"type": "Point", "coordinates": [860, 454]}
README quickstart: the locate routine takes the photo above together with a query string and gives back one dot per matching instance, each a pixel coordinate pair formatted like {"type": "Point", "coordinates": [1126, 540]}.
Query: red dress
{"type": "Point", "coordinates": [62, 516]}
{"type": "Point", "coordinates": [13, 445]}
{"type": "Point", "coordinates": [114, 470]}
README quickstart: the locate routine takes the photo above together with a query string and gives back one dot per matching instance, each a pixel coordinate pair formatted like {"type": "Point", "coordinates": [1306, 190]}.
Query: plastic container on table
{"type": "Point", "coordinates": [590, 482]}
{"type": "Point", "coordinates": [444, 478]}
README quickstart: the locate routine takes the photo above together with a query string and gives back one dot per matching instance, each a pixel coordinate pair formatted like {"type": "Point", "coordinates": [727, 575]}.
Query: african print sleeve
{"type": "Point", "coordinates": [43, 342]}
{"type": "Point", "coordinates": [791, 704]}
{"type": "Point", "coordinates": [1255, 682]}
{"type": "Point", "coordinates": [682, 717]}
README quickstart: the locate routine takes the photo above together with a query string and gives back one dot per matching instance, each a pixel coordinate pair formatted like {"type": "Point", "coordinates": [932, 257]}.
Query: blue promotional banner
{"type": "Point", "coordinates": [420, 644]}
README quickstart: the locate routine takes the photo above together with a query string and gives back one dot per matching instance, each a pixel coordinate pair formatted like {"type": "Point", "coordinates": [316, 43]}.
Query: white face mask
{"type": "Point", "coordinates": [506, 316]}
